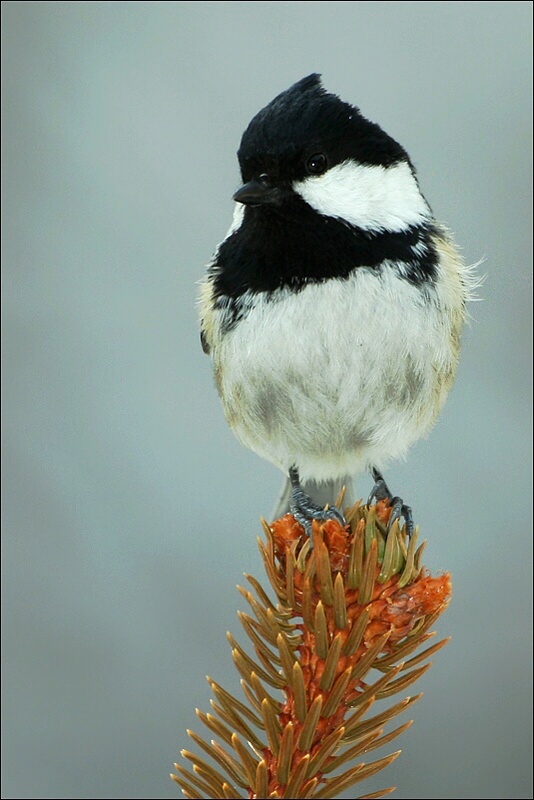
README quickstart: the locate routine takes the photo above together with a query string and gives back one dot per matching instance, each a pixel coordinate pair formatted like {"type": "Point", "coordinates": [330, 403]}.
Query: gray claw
{"type": "Point", "coordinates": [305, 510]}
{"type": "Point", "coordinates": [398, 506]}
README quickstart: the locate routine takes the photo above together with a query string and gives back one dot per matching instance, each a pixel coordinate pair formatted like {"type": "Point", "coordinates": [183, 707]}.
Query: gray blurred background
{"type": "Point", "coordinates": [130, 511]}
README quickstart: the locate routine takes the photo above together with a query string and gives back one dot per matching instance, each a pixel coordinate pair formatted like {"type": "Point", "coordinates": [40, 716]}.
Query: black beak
{"type": "Point", "coordinates": [255, 193]}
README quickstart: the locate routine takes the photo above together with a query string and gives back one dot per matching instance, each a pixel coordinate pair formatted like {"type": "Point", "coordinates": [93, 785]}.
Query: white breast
{"type": "Point", "coordinates": [343, 374]}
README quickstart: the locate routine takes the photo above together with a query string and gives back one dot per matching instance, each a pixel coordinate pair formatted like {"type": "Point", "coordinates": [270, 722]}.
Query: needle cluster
{"type": "Point", "coordinates": [353, 604]}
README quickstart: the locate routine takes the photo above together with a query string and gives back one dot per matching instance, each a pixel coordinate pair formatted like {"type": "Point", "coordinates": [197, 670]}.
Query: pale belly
{"type": "Point", "coordinates": [339, 376]}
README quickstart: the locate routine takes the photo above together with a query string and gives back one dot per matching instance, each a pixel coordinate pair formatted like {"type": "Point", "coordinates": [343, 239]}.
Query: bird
{"type": "Point", "coordinates": [333, 309]}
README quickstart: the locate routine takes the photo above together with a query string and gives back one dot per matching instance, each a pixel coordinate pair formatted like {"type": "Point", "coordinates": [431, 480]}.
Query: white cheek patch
{"type": "Point", "coordinates": [374, 198]}
{"type": "Point", "coordinates": [239, 214]}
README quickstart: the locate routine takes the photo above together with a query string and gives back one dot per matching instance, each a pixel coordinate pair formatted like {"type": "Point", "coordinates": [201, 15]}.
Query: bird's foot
{"type": "Point", "coordinates": [398, 506]}
{"type": "Point", "coordinates": [303, 508]}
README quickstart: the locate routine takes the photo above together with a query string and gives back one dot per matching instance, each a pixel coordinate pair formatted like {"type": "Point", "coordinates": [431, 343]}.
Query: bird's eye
{"type": "Point", "coordinates": [317, 164]}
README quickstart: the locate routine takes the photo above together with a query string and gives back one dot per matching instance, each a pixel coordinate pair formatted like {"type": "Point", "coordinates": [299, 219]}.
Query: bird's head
{"type": "Point", "coordinates": [309, 145]}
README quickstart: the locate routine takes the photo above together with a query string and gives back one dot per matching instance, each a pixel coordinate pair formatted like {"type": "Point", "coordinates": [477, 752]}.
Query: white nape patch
{"type": "Point", "coordinates": [374, 198]}
{"type": "Point", "coordinates": [239, 215]}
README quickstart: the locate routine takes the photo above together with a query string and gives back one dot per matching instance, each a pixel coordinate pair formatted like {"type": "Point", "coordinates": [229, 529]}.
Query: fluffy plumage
{"type": "Point", "coordinates": [334, 306]}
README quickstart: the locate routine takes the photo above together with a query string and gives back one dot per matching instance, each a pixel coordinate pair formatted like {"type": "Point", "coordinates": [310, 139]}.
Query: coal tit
{"type": "Point", "coordinates": [333, 308]}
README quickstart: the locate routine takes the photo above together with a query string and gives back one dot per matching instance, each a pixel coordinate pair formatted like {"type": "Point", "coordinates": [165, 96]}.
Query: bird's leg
{"type": "Point", "coordinates": [302, 507]}
{"type": "Point", "coordinates": [398, 506]}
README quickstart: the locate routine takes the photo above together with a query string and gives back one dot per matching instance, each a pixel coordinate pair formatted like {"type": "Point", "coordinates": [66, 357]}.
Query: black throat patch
{"type": "Point", "coordinates": [293, 245]}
